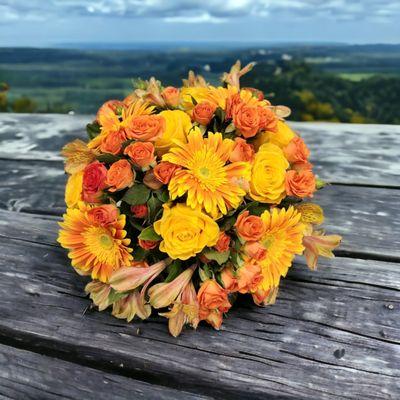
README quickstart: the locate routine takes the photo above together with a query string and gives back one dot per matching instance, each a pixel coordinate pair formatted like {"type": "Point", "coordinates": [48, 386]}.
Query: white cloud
{"type": "Point", "coordinates": [195, 19]}
{"type": "Point", "coordinates": [201, 11]}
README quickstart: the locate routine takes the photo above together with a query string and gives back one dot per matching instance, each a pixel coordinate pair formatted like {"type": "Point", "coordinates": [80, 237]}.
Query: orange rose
{"type": "Point", "coordinates": [242, 151]}
{"type": "Point", "coordinates": [229, 280]}
{"type": "Point", "coordinates": [296, 151]}
{"type": "Point", "coordinates": [249, 227]}
{"type": "Point", "coordinates": [302, 166]}
{"type": "Point", "coordinates": [103, 215]}
{"type": "Point", "coordinates": [212, 296]}
{"type": "Point", "coordinates": [139, 211]}
{"type": "Point", "coordinates": [146, 127]}
{"type": "Point", "coordinates": [232, 102]}
{"type": "Point", "coordinates": [203, 112]}
{"type": "Point", "coordinates": [164, 171]}
{"type": "Point", "coordinates": [213, 301]}
{"type": "Point", "coordinates": [120, 176]}
{"type": "Point", "coordinates": [112, 143]}
{"type": "Point", "coordinates": [249, 277]}
{"type": "Point", "coordinates": [247, 120]}
{"type": "Point", "coordinates": [141, 153]}
{"type": "Point", "coordinates": [148, 244]}
{"type": "Point", "coordinates": [113, 106]}
{"type": "Point", "coordinates": [255, 250]}
{"type": "Point", "coordinates": [171, 96]}
{"type": "Point", "coordinates": [300, 184]}
{"type": "Point", "coordinates": [223, 243]}
{"type": "Point", "coordinates": [268, 119]}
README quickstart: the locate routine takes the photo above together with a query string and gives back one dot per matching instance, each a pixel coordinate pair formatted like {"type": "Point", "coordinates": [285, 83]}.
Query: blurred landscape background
{"type": "Point", "coordinates": [328, 80]}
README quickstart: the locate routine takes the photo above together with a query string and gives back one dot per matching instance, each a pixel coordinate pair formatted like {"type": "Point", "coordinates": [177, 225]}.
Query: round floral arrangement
{"type": "Point", "coordinates": [183, 199]}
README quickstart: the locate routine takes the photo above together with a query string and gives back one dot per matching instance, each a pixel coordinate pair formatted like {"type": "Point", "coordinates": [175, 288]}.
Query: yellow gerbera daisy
{"type": "Point", "coordinates": [282, 239]}
{"type": "Point", "coordinates": [95, 239]}
{"type": "Point", "coordinates": [206, 177]}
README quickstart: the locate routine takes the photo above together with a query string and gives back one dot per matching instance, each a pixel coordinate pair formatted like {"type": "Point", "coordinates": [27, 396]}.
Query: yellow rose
{"type": "Point", "coordinates": [267, 182]}
{"type": "Point", "coordinates": [281, 138]}
{"type": "Point", "coordinates": [177, 126]}
{"type": "Point", "coordinates": [199, 93]}
{"type": "Point", "coordinates": [73, 189]}
{"type": "Point", "coordinates": [185, 231]}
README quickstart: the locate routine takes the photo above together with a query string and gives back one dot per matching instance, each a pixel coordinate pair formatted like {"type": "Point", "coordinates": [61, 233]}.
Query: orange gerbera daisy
{"type": "Point", "coordinates": [97, 246]}
{"type": "Point", "coordinates": [282, 239]}
{"type": "Point", "coordinates": [207, 177]}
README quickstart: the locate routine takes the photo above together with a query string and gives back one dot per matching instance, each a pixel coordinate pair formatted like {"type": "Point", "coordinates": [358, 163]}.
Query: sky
{"type": "Point", "coordinates": [48, 23]}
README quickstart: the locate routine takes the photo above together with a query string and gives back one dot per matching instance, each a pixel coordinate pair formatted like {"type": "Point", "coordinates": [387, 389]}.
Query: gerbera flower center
{"type": "Point", "coordinates": [208, 169]}
{"type": "Point", "coordinates": [205, 172]}
{"type": "Point", "coordinates": [106, 241]}
{"type": "Point", "coordinates": [268, 241]}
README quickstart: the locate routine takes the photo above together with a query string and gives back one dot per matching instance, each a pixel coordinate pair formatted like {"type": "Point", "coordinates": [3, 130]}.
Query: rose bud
{"type": "Point", "coordinates": [139, 211]}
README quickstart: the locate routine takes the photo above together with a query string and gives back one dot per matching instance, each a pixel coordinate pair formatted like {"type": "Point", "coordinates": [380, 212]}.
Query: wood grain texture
{"type": "Point", "coordinates": [342, 153]}
{"type": "Point", "coordinates": [26, 375]}
{"type": "Point", "coordinates": [335, 333]}
{"type": "Point", "coordinates": [368, 227]}
{"type": "Point", "coordinates": [353, 153]}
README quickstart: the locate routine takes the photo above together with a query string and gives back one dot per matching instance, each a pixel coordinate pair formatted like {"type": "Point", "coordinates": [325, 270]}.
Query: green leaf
{"type": "Point", "coordinates": [220, 114]}
{"type": "Point", "coordinates": [115, 296]}
{"type": "Point", "coordinates": [162, 195]}
{"type": "Point", "coordinates": [236, 260]}
{"type": "Point", "coordinates": [154, 206]}
{"type": "Point", "coordinates": [218, 278]}
{"type": "Point", "coordinates": [194, 101]}
{"type": "Point", "coordinates": [205, 273]}
{"type": "Point", "coordinates": [136, 225]}
{"type": "Point", "coordinates": [149, 234]}
{"type": "Point", "coordinates": [93, 130]}
{"type": "Point", "coordinates": [174, 270]}
{"type": "Point", "coordinates": [107, 158]}
{"type": "Point", "coordinates": [137, 194]}
{"type": "Point", "coordinates": [227, 223]}
{"type": "Point", "coordinates": [140, 254]}
{"type": "Point", "coordinates": [217, 256]}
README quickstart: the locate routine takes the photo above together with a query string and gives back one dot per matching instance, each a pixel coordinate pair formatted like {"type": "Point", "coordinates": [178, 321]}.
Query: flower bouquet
{"type": "Point", "coordinates": [183, 199]}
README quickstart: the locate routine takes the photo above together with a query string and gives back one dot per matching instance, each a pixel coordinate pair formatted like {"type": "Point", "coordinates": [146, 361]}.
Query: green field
{"type": "Point", "coordinates": [335, 83]}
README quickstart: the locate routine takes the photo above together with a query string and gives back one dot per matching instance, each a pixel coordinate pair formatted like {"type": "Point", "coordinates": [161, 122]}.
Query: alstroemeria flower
{"type": "Point", "coordinates": [164, 294]}
{"type": "Point", "coordinates": [317, 244]}
{"type": "Point", "coordinates": [184, 311]}
{"type": "Point", "coordinates": [131, 305]}
{"type": "Point", "coordinates": [130, 278]}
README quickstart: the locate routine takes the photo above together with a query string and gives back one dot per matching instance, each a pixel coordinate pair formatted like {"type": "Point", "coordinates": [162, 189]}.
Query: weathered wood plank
{"type": "Point", "coordinates": [353, 153]}
{"type": "Point", "coordinates": [39, 187]}
{"type": "Point", "coordinates": [28, 375]}
{"type": "Point", "coordinates": [333, 333]}
{"type": "Point", "coordinates": [343, 153]}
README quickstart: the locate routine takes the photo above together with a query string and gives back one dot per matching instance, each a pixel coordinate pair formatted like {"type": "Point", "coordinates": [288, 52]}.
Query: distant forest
{"type": "Point", "coordinates": [359, 84]}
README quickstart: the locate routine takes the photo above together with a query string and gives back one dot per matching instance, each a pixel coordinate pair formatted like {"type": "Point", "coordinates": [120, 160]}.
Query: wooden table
{"type": "Point", "coordinates": [332, 334]}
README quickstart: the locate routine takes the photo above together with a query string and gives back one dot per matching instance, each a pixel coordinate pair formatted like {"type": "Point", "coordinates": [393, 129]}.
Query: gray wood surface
{"type": "Point", "coordinates": [27, 375]}
{"type": "Point", "coordinates": [332, 334]}
{"type": "Point", "coordinates": [342, 153]}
